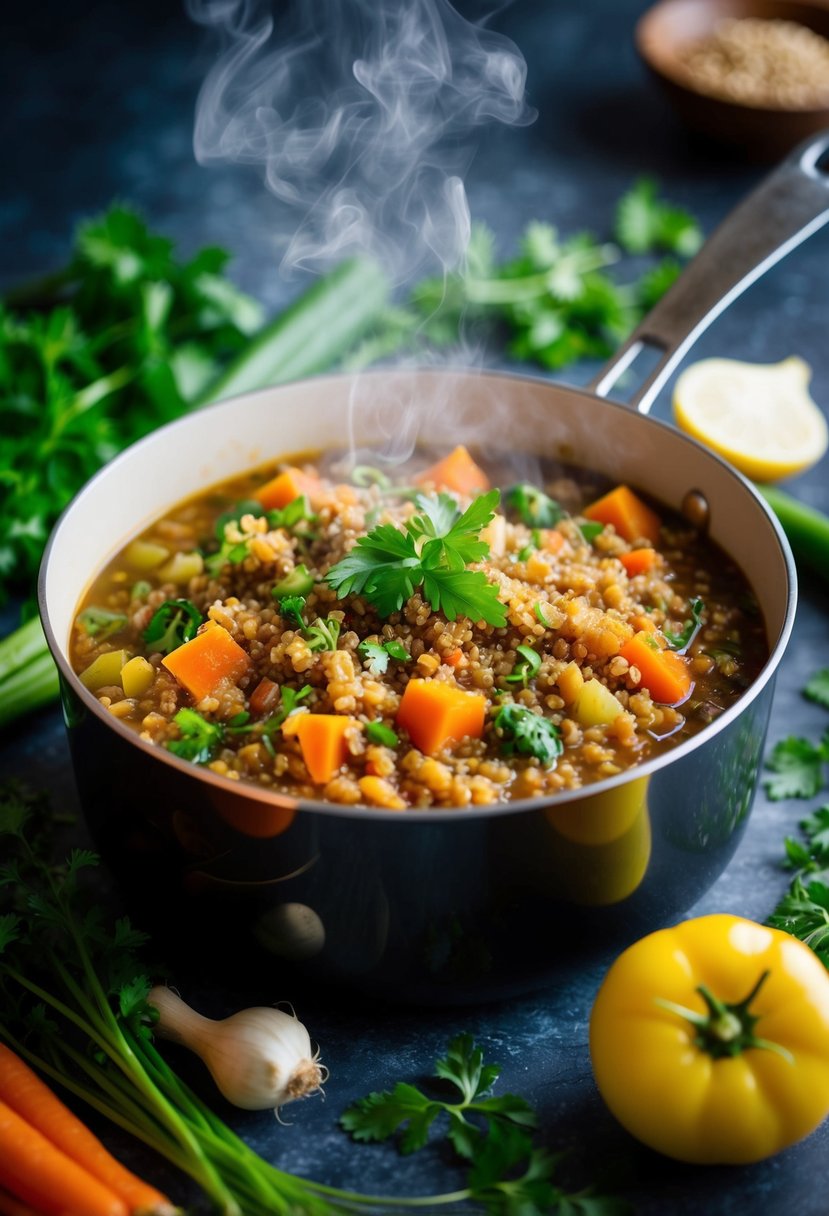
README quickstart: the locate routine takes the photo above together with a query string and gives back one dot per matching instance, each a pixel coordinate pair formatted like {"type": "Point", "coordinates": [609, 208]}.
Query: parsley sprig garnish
{"type": "Point", "coordinates": [377, 655]}
{"type": "Point", "coordinates": [171, 625]}
{"type": "Point", "coordinates": [508, 1172]}
{"type": "Point", "coordinates": [528, 734]}
{"type": "Point", "coordinates": [797, 768]}
{"type": "Point", "coordinates": [387, 565]}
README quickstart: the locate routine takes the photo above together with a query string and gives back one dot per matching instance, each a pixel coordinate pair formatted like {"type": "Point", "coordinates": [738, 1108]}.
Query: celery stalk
{"type": "Point", "coordinates": [806, 528]}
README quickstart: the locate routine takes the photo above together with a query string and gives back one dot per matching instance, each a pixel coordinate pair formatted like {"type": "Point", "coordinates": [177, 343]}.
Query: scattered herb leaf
{"type": "Point", "coordinates": [527, 667]}
{"type": "Point", "coordinates": [200, 739]}
{"type": "Point", "coordinates": [528, 734]}
{"type": "Point", "coordinates": [691, 627]}
{"type": "Point", "coordinates": [378, 732]}
{"type": "Point", "coordinates": [101, 623]}
{"type": "Point", "coordinates": [797, 765]}
{"type": "Point", "coordinates": [817, 688]}
{"type": "Point", "coordinates": [172, 624]}
{"type": "Point", "coordinates": [644, 223]}
{"type": "Point", "coordinates": [533, 507]}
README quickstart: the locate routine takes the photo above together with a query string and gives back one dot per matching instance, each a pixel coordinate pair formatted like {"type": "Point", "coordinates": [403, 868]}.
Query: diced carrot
{"type": "Point", "coordinates": [457, 471]}
{"type": "Point", "coordinates": [285, 487]}
{"type": "Point", "coordinates": [454, 657]}
{"type": "Point", "coordinates": [34, 1170]}
{"type": "Point", "coordinates": [665, 674]}
{"type": "Point", "coordinates": [201, 664]}
{"type": "Point", "coordinates": [631, 517]}
{"type": "Point", "coordinates": [264, 697]}
{"type": "Point", "coordinates": [323, 743]}
{"type": "Point", "coordinates": [637, 561]}
{"type": "Point", "coordinates": [433, 713]}
{"type": "Point", "coordinates": [30, 1098]}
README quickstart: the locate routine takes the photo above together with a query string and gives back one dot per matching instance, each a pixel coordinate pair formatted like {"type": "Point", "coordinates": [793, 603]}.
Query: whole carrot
{"type": "Point", "coordinates": [23, 1091]}
{"type": "Point", "coordinates": [40, 1174]}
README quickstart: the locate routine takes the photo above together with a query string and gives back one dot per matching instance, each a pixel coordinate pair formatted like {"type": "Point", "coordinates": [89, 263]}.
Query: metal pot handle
{"type": "Point", "coordinates": [785, 209]}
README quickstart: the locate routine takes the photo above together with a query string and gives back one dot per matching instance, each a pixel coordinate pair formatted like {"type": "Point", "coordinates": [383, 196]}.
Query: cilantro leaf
{"type": "Point", "coordinates": [199, 739]}
{"type": "Point", "coordinates": [464, 593]}
{"type": "Point", "coordinates": [377, 654]}
{"type": "Point", "coordinates": [100, 622]}
{"type": "Point", "coordinates": [533, 507]}
{"type": "Point", "coordinates": [645, 222]}
{"type": "Point", "coordinates": [464, 1066]}
{"type": "Point", "coordinates": [818, 688]}
{"type": "Point", "coordinates": [171, 625]}
{"type": "Point", "coordinates": [797, 766]}
{"type": "Point", "coordinates": [379, 1115]}
{"type": "Point", "coordinates": [527, 733]}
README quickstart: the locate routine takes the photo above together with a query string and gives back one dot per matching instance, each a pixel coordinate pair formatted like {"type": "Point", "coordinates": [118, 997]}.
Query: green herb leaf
{"type": "Point", "coordinates": [682, 640]}
{"type": "Point", "coordinates": [645, 222]}
{"type": "Point", "coordinates": [377, 654]}
{"type": "Point", "coordinates": [589, 529]}
{"type": "Point", "coordinates": [387, 565]}
{"type": "Point", "coordinates": [171, 625]}
{"type": "Point", "coordinates": [533, 507]}
{"type": "Point", "coordinates": [291, 608]}
{"type": "Point", "coordinates": [797, 765]}
{"type": "Point", "coordinates": [101, 623]}
{"type": "Point", "coordinates": [200, 739]}
{"type": "Point", "coordinates": [323, 633]}
{"type": "Point", "coordinates": [527, 668]}
{"type": "Point", "coordinates": [378, 732]}
{"type": "Point", "coordinates": [527, 733]}
{"type": "Point", "coordinates": [817, 688]}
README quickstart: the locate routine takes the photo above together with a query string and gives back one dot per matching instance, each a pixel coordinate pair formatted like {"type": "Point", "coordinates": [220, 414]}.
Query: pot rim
{"type": "Point", "coordinates": [256, 793]}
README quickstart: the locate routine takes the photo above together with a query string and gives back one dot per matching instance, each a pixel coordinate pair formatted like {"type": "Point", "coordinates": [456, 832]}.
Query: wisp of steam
{"type": "Point", "coordinates": [364, 115]}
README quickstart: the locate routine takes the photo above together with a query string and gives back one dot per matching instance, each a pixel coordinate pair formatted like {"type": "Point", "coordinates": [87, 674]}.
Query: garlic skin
{"type": "Point", "coordinates": [259, 1058]}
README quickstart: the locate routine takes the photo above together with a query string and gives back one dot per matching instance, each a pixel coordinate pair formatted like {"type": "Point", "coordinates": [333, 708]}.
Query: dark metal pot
{"type": "Point", "coordinates": [451, 904]}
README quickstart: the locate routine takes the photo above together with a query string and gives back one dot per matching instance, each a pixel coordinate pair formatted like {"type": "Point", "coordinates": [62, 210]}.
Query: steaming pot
{"type": "Point", "coordinates": [440, 905]}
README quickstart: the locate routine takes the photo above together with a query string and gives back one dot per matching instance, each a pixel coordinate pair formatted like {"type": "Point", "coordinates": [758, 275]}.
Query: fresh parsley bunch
{"type": "Point", "coordinates": [99, 354]}
{"type": "Point", "coordinates": [387, 565]}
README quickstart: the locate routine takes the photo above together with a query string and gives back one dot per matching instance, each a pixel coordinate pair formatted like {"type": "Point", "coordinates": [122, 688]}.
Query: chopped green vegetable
{"type": "Point", "coordinates": [171, 625]}
{"type": "Point", "coordinates": [806, 528]}
{"type": "Point", "coordinates": [541, 616]}
{"type": "Point", "coordinates": [378, 732]}
{"type": "Point", "coordinates": [797, 766]}
{"type": "Point", "coordinates": [297, 511]}
{"type": "Point", "coordinates": [377, 654]}
{"type": "Point", "coordinates": [533, 507]}
{"type": "Point", "coordinates": [230, 552]}
{"type": "Point", "coordinates": [528, 734]}
{"type": "Point", "coordinates": [248, 506]}
{"type": "Point", "coordinates": [291, 607]}
{"type": "Point", "coordinates": [140, 590]}
{"type": "Point", "coordinates": [200, 739]}
{"type": "Point", "coordinates": [682, 640]}
{"type": "Point", "coordinates": [644, 222]}
{"type": "Point", "coordinates": [817, 688]}
{"type": "Point", "coordinates": [323, 633]}
{"type": "Point", "coordinates": [387, 565]}
{"type": "Point", "coordinates": [527, 668]}
{"type": "Point", "coordinates": [367, 475]}
{"type": "Point", "coordinates": [589, 529]}
{"type": "Point", "coordinates": [101, 623]}
{"type": "Point", "coordinates": [298, 583]}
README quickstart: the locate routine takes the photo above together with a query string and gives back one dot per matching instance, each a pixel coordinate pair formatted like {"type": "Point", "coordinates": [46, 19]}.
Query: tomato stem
{"type": "Point", "coordinates": [727, 1029]}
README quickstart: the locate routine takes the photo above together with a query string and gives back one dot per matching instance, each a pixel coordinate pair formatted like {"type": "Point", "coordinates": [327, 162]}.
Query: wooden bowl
{"type": "Point", "coordinates": [663, 36]}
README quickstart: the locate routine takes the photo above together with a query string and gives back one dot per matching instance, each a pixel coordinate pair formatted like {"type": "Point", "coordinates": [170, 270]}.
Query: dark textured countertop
{"type": "Point", "coordinates": [97, 104]}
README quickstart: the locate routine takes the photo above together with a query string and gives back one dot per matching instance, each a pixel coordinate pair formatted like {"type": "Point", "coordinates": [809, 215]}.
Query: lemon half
{"type": "Point", "coordinates": [758, 416]}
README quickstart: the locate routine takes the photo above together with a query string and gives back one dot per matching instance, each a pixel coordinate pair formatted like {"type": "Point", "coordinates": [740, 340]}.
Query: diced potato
{"type": "Point", "coordinates": [495, 535]}
{"type": "Point", "coordinates": [181, 568]}
{"type": "Point", "coordinates": [105, 670]}
{"type": "Point", "coordinates": [137, 676]}
{"type": "Point", "coordinates": [570, 683]}
{"type": "Point", "coordinates": [145, 554]}
{"type": "Point", "coordinates": [595, 705]}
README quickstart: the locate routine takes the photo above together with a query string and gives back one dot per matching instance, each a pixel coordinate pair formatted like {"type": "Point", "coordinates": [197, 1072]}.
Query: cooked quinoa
{"type": "Point", "coordinates": [567, 596]}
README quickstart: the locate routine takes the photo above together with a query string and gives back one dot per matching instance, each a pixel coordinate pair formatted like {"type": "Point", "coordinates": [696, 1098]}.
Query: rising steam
{"type": "Point", "coordinates": [364, 116]}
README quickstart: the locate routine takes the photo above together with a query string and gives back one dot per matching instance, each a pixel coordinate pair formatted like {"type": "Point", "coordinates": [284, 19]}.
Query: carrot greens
{"type": "Point", "coordinates": [73, 996]}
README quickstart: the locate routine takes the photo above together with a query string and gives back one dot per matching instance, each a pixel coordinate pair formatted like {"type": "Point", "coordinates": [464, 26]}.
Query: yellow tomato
{"type": "Point", "coordinates": [710, 1041]}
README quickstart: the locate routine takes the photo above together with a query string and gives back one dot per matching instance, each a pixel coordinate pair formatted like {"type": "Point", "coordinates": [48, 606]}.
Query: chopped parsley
{"type": "Point", "coordinates": [291, 608]}
{"type": "Point", "coordinates": [377, 654]}
{"type": "Point", "coordinates": [378, 732]}
{"type": "Point", "coordinates": [200, 739]}
{"type": "Point", "coordinates": [528, 734]}
{"type": "Point", "coordinates": [101, 623]}
{"type": "Point", "coordinates": [387, 565]}
{"type": "Point", "coordinates": [797, 767]}
{"type": "Point", "coordinates": [323, 634]}
{"type": "Point", "coordinates": [590, 529]}
{"type": "Point", "coordinates": [171, 625]}
{"type": "Point", "coordinates": [691, 627]}
{"type": "Point", "coordinates": [818, 688]}
{"type": "Point", "coordinates": [644, 222]}
{"type": "Point", "coordinates": [533, 507]}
